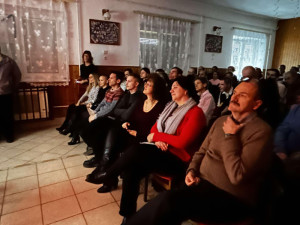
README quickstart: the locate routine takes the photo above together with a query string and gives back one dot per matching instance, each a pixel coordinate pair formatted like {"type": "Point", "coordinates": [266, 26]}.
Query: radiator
{"type": "Point", "coordinates": [32, 103]}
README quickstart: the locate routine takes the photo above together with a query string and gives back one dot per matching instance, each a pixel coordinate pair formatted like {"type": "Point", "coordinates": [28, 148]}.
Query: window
{"type": "Point", "coordinates": [248, 49]}
{"type": "Point", "coordinates": [164, 42]}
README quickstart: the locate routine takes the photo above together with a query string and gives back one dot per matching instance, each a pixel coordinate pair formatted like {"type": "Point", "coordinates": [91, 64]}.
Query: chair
{"type": "Point", "coordinates": [163, 181]}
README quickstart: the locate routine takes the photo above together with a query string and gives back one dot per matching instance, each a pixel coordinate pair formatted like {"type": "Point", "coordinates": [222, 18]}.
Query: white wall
{"type": "Point", "coordinates": [127, 54]}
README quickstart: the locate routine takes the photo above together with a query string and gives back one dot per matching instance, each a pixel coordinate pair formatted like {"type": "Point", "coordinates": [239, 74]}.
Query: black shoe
{"type": "Point", "coordinates": [107, 188]}
{"type": "Point", "coordinates": [125, 220]}
{"type": "Point", "coordinates": [96, 178]}
{"type": "Point", "coordinates": [93, 162]}
{"type": "Point", "coordinates": [10, 139]}
{"type": "Point", "coordinates": [64, 132]}
{"type": "Point", "coordinates": [70, 135]}
{"type": "Point", "coordinates": [74, 141]}
{"type": "Point", "coordinates": [59, 128]}
{"type": "Point", "coordinates": [89, 151]}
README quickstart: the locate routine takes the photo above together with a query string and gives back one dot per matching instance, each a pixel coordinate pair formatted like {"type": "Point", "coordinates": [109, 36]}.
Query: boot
{"type": "Point", "coordinates": [74, 141]}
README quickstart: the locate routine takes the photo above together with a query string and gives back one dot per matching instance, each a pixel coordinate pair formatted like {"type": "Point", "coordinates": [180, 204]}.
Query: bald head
{"type": "Point", "coordinates": [249, 71]}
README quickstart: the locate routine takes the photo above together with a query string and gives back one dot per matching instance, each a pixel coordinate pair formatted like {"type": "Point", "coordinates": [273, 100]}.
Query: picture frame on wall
{"type": "Point", "coordinates": [213, 43]}
{"type": "Point", "coordinates": [104, 32]}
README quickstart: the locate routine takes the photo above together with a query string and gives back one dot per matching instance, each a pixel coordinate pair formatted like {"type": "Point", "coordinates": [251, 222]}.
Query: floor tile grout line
{"type": "Point", "coordinates": [40, 195]}
{"type": "Point", "coordinates": [1, 213]}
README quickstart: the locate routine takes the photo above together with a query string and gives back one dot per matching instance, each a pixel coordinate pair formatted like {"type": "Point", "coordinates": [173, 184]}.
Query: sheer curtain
{"type": "Point", "coordinates": [248, 49]}
{"type": "Point", "coordinates": [164, 42]}
{"type": "Point", "coordinates": [34, 34]}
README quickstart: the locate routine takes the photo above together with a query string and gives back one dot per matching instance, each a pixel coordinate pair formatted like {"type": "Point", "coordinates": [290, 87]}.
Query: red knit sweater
{"type": "Point", "coordinates": [186, 140]}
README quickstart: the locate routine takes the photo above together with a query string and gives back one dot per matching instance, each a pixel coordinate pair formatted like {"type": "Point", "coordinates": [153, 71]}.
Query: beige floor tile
{"type": "Point", "coordinates": [52, 177]}
{"type": "Point", "coordinates": [117, 193]}
{"type": "Point", "coordinates": [3, 159]}
{"type": "Point", "coordinates": [22, 171]}
{"type": "Point", "coordinates": [92, 199]}
{"type": "Point", "coordinates": [21, 184]}
{"type": "Point", "coordinates": [108, 214]}
{"type": "Point", "coordinates": [28, 145]}
{"type": "Point", "coordinates": [19, 201]}
{"type": "Point", "coordinates": [77, 150]}
{"type": "Point", "coordinates": [78, 171]}
{"type": "Point", "coordinates": [28, 155]}
{"type": "Point", "coordinates": [11, 163]}
{"type": "Point", "coordinates": [56, 191]}
{"type": "Point", "coordinates": [75, 220]}
{"type": "Point", "coordinates": [2, 188]}
{"type": "Point", "coordinates": [60, 209]}
{"type": "Point", "coordinates": [45, 147]}
{"type": "Point", "coordinates": [45, 157]}
{"type": "Point", "coordinates": [42, 138]}
{"type": "Point", "coordinates": [80, 185]}
{"type": "Point", "coordinates": [31, 216]}
{"type": "Point", "coordinates": [62, 149]}
{"type": "Point", "coordinates": [51, 165]}
{"type": "Point", "coordinates": [3, 175]}
{"type": "Point", "coordinates": [12, 152]}
{"type": "Point", "coordinates": [74, 160]}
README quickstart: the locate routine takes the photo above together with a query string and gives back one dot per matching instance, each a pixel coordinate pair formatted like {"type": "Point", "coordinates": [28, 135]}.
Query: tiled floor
{"type": "Point", "coordinates": [42, 181]}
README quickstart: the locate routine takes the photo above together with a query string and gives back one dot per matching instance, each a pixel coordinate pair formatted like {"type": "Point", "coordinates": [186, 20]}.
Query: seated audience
{"type": "Point", "coordinates": [206, 102]}
{"type": "Point", "coordinates": [89, 97]}
{"type": "Point", "coordinates": [274, 74]}
{"type": "Point", "coordinates": [134, 130]}
{"type": "Point", "coordinates": [292, 81]}
{"type": "Point", "coordinates": [192, 71]}
{"type": "Point", "coordinates": [83, 113]}
{"type": "Point", "coordinates": [95, 134]}
{"type": "Point", "coordinates": [202, 73]}
{"type": "Point", "coordinates": [171, 143]}
{"type": "Point", "coordinates": [214, 87]}
{"type": "Point", "coordinates": [175, 72]}
{"type": "Point", "coordinates": [86, 68]}
{"type": "Point", "coordinates": [225, 175]}
{"type": "Point", "coordinates": [233, 78]}
{"type": "Point", "coordinates": [145, 72]}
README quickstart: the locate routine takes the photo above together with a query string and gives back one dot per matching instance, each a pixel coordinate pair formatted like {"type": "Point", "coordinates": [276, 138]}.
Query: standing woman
{"type": "Point", "coordinates": [86, 68]}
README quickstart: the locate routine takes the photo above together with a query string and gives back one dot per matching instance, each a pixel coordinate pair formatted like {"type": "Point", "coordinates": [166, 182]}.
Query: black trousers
{"type": "Point", "coordinates": [139, 161]}
{"type": "Point", "coordinates": [7, 116]}
{"type": "Point", "coordinates": [203, 202]}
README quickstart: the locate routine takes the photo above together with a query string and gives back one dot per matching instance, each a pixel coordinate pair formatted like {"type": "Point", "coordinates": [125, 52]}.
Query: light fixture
{"type": "Point", "coordinates": [217, 30]}
{"type": "Point", "coordinates": [106, 14]}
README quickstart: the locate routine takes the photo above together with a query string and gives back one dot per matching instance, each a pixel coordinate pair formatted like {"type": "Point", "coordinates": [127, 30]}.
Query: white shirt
{"type": "Point", "coordinates": [207, 104]}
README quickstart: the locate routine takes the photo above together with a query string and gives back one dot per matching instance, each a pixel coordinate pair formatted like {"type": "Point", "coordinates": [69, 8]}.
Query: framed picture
{"type": "Point", "coordinates": [213, 43]}
{"type": "Point", "coordinates": [104, 32]}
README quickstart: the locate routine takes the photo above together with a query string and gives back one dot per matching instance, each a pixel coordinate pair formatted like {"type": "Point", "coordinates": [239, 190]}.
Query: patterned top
{"type": "Point", "coordinates": [92, 95]}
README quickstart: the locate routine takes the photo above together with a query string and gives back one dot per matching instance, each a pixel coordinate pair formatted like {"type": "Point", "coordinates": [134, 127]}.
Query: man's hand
{"type": "Point", "coordinates": [91, 118]}
{"type": "Point", "coordinates": [191, 179]}
{"type": "Point", "coordinates": [162, 145]}
{"type": "Point", "coordinates": [89, 105]}
{"type": "Point", "coordinates": [281, 155]}
{"type": "Point", "coordinates": [150, 137]}
{"type": "Point", "coordinates": [230, 127]}
{"type": "Point", "coordinates": [78, 103]}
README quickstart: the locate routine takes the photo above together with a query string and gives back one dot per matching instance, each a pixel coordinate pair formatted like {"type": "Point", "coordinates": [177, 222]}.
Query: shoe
{"type": "Point", "coordinates": [59, 128]}
{"type": "Point", "coordinates": [97, 178]}
{"type": "Point", "coordinates": [10, 139]}
{"type": "Point", "coordinates": [74, 141]}
{"type": "Point", "coordinates": [70, 135]}
{"type": "Point", "coordinates": [93, 162]}
{"type": "Point", "coordinates": [64, 132]}
{"type": "Point", "coordinates": [107, 188]}
{"type": "Point", "coordinates": [89, 151]}
{"type": "Point", "coordinates": [125, 220]}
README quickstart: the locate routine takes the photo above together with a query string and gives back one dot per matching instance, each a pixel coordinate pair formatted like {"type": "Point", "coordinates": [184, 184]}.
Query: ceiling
{"type": "Point", "coordinates": [281, 9]}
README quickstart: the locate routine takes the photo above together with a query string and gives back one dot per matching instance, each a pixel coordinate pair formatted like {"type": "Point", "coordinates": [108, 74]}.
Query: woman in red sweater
{"type": "Point", "coordinates": [172, 141]}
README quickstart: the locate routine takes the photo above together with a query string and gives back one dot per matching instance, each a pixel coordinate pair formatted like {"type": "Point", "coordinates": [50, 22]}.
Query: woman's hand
{"type": "Point", "coordinates": [132, 132]}
{"type": "Point", "coordinates": [162, 145]}
{"type": "Point", "coordinates": [78, 103]}
{"type": "Point", "coordinates": [150, 137]}
{"type": "Point", "coordinates": [191, 179]}
{"type": "Point", "coordinates": [91, 118]}
{"type": "Point", "coordinates": [89, 105]}
{"type": "Point", "coordinates": [125, 125]}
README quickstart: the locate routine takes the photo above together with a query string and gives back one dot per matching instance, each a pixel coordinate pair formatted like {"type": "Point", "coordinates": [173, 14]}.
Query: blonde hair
{"type": "Point", "coordinates": [95, 84]}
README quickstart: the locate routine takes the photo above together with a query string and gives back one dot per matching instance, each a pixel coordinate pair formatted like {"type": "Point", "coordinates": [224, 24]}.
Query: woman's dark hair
{"type": "Point", "coordinates": [160, 91]}
{"type": "Point", "coordinates": [86, 52]}
{"type": "Point", "coordinates": [187, 83]}
{"type": "Point", "coordinates": [146, 70]}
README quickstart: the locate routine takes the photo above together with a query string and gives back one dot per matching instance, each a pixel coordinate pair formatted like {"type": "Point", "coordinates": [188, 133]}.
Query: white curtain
{"type": "Point", "coordinates": [34, 34]}
{"type": "Point", "coordinates": [248, 49]}
{"type": "Point", "coordinates": [164, 43]}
